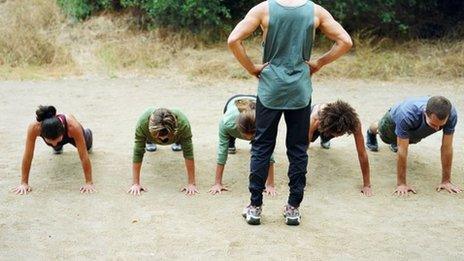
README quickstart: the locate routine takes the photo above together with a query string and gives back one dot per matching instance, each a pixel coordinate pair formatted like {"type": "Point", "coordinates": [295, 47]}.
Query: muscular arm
{"type": "Point", "coordinates": [242, 31]}
{"type": "Point", "coordinates": [335, 32]}
{"type": "Point", "coordinates": [32, 133]}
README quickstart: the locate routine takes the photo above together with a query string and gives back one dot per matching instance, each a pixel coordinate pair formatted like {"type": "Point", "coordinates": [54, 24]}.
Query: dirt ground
{"type": "Point", "coordinates": [56, 222]}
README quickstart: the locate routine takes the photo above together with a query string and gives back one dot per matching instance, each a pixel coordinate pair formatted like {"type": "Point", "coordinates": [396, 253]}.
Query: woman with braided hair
{"type": "Point", "coordinates": [330, 120]}
{"type": "Point", "coordinates": [56, 130]}
{"type": "Point", "coordinates": [238, 122]}
{"type": "Point", "coordinates": [163, 127]}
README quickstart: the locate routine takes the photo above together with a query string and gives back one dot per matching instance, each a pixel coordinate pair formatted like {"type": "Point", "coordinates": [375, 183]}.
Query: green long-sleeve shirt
{"type": "Point", "coordinates": [227, 129]}
{"type": "Point", "coordinates": [142, 135]}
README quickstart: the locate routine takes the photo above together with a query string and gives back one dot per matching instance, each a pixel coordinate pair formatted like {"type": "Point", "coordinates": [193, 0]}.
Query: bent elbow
{"type": "Point", "coordinates": [347, 42]}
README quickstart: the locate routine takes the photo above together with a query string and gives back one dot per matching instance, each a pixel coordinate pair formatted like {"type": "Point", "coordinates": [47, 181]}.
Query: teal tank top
{"type": "Point", "coordinates": [286, 83]}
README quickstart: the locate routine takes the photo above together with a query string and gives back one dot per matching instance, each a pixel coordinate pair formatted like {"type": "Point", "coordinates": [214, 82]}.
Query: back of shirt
{"type": "Point", "coordinates": [285, 83]}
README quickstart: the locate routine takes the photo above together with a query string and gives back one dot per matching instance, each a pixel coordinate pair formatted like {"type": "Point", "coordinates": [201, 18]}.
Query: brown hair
{"type": "Point", "coordinates": [338, 118]}
{"type": "Point", "coordinates": [162, 119]}
{"type": "Point", "coordinates": [440, 106]}
{"type": "Point", "coordinates": [246, 120]}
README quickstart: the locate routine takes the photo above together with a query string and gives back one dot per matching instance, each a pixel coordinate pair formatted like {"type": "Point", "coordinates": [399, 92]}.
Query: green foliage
{"type": "Point", "coordinates": [391, 18]}
{"type": "Point", "coordinates": [397, 18]}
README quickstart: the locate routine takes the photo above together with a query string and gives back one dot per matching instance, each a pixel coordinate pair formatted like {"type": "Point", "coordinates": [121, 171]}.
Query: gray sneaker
{"type": "Point", "coordinates": [292, 215]}
{"type": "Point", "coordinates": [176, 147]}
{"type": "Point", "coordinates": [151, 147]}
{"type": "Point", "coordinates": [252, 215]}
{"type": "Point", "coordinates": [394, 148]}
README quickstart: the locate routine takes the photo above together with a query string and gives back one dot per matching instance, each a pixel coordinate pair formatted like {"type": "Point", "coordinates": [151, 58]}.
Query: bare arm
{"type": "Point", "coordinates": [446, 163]}
{"type": "Point", "coordinates": [446, 157]}
{"type": "Point", "coordinates": [401, 168]}
{"type": "Point", "coordinates": [363, 161]}
{"type": "Point", "coordinates": [32, 134]}
{"type": "Point", "coordinates": [77, 133]}
{"type": "Point", "coordinates": [313, 125]}
{"type": "Point", "coordinates": [242, 31]}
{"type": "Point", "coordinates": [191, 188]}
{"type": "Point", "coordinates": [335, 32]}
{"type": "Point", "coordinates": [402, 159]}
{"type": "Point", "coordinates": [136, 167]}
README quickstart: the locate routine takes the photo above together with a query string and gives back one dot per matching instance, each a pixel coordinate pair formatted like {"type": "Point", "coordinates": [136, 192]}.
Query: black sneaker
{"type": "Point", "coordinates": [252, 215]}
{"type": "Point", "coordinates": [394, 148]}
{"type": "Point", "coordinates": [371, 141]}
{"type": "Point", "coordinates": [292, 215]}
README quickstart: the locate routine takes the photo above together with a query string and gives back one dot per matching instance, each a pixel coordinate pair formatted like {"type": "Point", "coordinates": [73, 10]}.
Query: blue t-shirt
{"type": "Point", "coordinates": [409, 117]}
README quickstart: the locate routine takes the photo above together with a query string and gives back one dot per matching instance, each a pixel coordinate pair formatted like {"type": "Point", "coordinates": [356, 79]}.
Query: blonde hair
{"type": "Point", "coordinates": [162, 119]}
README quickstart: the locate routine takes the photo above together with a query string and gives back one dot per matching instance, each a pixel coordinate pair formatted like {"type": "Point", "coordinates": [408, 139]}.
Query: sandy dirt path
{"type": "Point", "coordinates": [56, 222]}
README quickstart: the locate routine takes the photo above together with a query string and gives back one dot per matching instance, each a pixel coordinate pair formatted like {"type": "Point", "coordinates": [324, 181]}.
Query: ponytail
{"type": "Point", "coordinates": [45, 112]}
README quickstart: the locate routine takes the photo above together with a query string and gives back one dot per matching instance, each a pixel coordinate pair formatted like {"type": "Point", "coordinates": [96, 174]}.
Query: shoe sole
{"type": "Point", "coordinates": [253, 220]}
{"type": "Point", "coordinates": [372, 149]}
{"type": "Point", "coordinates": [292, 221]}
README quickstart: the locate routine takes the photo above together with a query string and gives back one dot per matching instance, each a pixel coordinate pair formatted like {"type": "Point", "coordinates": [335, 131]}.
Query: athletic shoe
{"type": "Point", "coordinates": [252, 215]}
{"type": "Point", "coordinates": [393, 148]}
{"type": "Point", "coordinates": [325, 144]}
{"type": "Point", "coordinates": [58, 151]}
{"type": "Point", "coordinates": [176, 147]}
{"type": "Point", "coordinates": [232, 150]}
{"type": "Point", "coordinates": [371, 141]}
{"type": "Point", "coordinates": [292, 216]}
{"type": "Point", "coordinates": [151, 147]}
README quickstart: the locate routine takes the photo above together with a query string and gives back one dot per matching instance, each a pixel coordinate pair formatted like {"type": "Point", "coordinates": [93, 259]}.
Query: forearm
{"type": "Point", "coordinates": [136, 167]}
{"type": "Point", "coordinates": [87, 167]}
{"type": "Point", "coordinates": [238, 50]}
{"type": "Point", "coordinates": [219, 173]}
{"type": "Point", "coordinates": [270, 176]}
{"type": "Point", "coordinates": [401, 167]}
{"type": "Point", "coordinates": [337, 50]}
{"type": "Point", "coordinates": [446, 162]}
{"type": "Point", "coordinates": [366, 176]}
{"type": "Point", "coordinates": [190, 166]}
{"type": "Point", "coordinates": [25, 169]}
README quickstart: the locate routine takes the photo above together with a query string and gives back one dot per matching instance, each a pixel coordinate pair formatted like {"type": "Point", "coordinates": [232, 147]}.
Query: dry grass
{"type": "Point", "coordinates": [37, 42]}
{"type": "Point", "coordinates": [29, 30]}
{"type": "Point", "coordinates": [386, 60]}
{"type": "Point", "coordinates": [369, 59]}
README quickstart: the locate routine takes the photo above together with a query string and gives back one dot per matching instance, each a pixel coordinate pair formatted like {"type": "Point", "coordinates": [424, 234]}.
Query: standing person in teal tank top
{"type": "Point", "coordinates": [284, 88]}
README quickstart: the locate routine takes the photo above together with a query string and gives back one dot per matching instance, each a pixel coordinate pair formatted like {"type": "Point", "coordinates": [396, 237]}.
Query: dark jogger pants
{"type": "Point", "coordinates": [267, 121]}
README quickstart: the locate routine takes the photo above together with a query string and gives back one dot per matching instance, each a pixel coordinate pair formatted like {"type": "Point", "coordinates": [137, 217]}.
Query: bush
{"type": "Point", "coordinates": [391, 18]}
